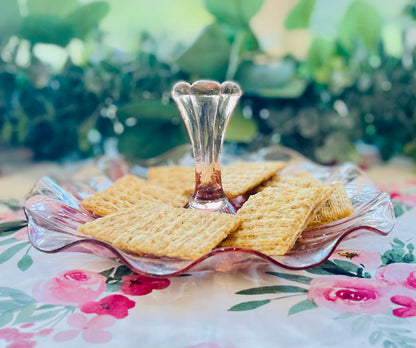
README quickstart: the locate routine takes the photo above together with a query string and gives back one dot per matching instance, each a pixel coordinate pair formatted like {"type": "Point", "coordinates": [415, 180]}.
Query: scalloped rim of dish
{"type": "Point", "coordinates": [260, 258]}
{"type": "Point", "coordinates": [123, 257]}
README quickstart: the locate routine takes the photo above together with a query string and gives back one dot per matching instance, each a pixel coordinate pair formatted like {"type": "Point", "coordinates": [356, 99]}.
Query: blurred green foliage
{"type": "Point", "coordinates": [356, 84]}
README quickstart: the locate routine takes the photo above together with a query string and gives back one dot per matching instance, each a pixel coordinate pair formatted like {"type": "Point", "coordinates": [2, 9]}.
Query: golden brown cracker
{"type": "Point", "coordinates": [337, 206]}
{"type": "Point", "coordinates": [162, 230]}
{"type": "Point", "coordinates": [128, 191]}
{"type": "Point", "coordinates": [301, 179]}
{"type": "Point", "coordinates": [241, 177]}
{"type": "Point", "coordinates": [237, 178]}
{"type": "Point", "coordinates": [104, 204]}
{"type": "Point", "coordinates": [274, 218]}
{"type": "Point", "coordinates": [175, 178]}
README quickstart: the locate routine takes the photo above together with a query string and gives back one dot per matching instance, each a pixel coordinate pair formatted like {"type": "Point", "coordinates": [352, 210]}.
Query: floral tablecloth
{"type": "Point", "coordinates": [363, 296]}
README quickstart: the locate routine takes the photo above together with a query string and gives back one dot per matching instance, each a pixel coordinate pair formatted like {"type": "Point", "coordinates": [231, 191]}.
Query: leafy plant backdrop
{"type": "Point", "coordinates": [356, 85]}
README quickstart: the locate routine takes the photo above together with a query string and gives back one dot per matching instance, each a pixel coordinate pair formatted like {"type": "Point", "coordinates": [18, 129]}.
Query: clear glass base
{"type": "Point", "coordinates": [220, 205]}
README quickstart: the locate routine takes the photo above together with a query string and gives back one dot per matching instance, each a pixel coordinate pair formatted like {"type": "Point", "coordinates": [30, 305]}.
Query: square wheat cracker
{"type": "Point", "coordinates": [274, 218]}
{"type": "Point", "coordinates": [237, 178]}
{"type": "Point", "coordinates": [162, 230]}
{"type": "Point", "coordinates": [128, 191]}
{"type": "Point", "coordinates": [302, 179]}
{"type": "Point", "coordinates": [175, 178]}
{"type": "Point", "coordinates": [337, 206]}
{"type": "Point", "coordinates": [240, 177]}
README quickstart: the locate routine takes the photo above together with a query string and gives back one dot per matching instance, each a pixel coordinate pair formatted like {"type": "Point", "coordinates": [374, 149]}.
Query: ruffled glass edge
{"type": "Point", "coordinates": [54, 213]}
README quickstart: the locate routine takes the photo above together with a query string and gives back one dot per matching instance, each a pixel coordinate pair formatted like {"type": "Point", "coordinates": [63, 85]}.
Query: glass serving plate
{"type": "Point", "coordinates": [54, 213]}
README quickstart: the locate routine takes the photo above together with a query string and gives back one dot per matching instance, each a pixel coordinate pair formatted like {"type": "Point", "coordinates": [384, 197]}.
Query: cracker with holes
{"type": "Point", "coordinates": [149, 228]}
{"type": "Point", "coordinates": [174, 178]}
{"type": "Point", "coordinates": [240, 177]}
{"type": "Point", "coordinates": [302, 179]}
{"type": "Point", "coordinates": [337, 206]}
{"type": "Point", "coordinates": [145, 216]}
{"type": "Point", "coordinates": [274, 218]}
{"type": "Point", "coordinates": [237, 178]}
{"type": "Point", "coordinates": [128, 191]}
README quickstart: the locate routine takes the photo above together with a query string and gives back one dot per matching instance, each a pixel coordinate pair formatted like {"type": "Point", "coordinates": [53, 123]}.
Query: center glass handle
{"type": "Point", "coordinates": [206, 108]}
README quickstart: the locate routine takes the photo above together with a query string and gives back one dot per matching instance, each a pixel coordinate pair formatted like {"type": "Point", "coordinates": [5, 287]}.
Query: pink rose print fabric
{"type": "Point", "coordinates": [11, 216]}
{"type": "Point", "coordinates": [409, 200]}
{"type": "Point", "coordinates": [91, 330]}
{"type": "Point", "coordinates": [114, 305]}
{"type": "Point", "coordinates": [370, 259]}
{"type": "Point", "coordinates": [403, 193]}
{"type": "Point", "coordinates": [402, 278]}
{"type": "Point", "coordinates": [15, 338]}
{"type": "Point", "coordinates": [407, 306]}
{"type": "Point", "coordinates": [347, 294]}
{"type": "Point", "coordinates": [137, 285]}
{"type": "Point", "coordinates": [393, 284]}
{"type": "Point", "coordinates": [73, 288]}
{"type": "Point", "coordinates": [401, 274]}
{"type": "Point", "coordinates": [86, 292]}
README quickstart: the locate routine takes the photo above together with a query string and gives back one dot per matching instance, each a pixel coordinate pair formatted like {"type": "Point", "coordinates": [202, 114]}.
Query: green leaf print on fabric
{"type": "Point", "coordinates": [399, 253]}
{"type": "Point", "coordinates": [12, 301]}
{"type": "Point", "coordinates": [272, 290]}
{"type": "Point", "coordinates": [293, 277]}
{"type": "Point", "coordinates": [25, 262]}
{"type": "Point", "coordinates": [302, 306]}
{"type": "Point", "coordinates": [339, 267]}
{"type": "Point", "coordinates": [114, 277]}
{"type": "Point", "coordinates": [13, 250]}
{"type": "Point", "coordinates": [246, 306]}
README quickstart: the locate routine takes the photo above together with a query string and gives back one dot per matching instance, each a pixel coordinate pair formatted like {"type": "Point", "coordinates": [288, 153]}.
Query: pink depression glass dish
{"type": "Point", "coordinates": [54, 212]}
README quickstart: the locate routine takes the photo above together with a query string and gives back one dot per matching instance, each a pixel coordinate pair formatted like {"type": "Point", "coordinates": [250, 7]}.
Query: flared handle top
{"type": "Point", "coordinates": [206, 88]}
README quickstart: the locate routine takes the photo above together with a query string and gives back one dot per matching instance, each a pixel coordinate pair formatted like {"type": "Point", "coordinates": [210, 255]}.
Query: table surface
{"type": "Point", "coordinates": [364, 296]}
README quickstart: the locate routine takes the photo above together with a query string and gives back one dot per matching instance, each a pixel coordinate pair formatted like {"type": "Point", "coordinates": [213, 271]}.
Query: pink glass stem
{"type": "Point", "coordinates": [206, 107]}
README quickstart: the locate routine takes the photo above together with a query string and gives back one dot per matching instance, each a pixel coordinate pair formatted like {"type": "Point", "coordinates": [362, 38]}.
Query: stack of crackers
{"type": "Point", "coordinates": [147, 216]}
